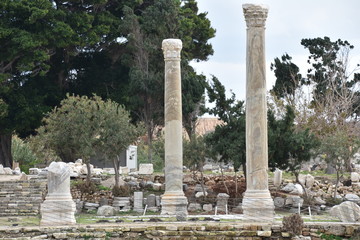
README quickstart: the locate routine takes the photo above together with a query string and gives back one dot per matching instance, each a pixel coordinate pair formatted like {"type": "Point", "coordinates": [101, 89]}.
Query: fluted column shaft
{"type": "Point", "coordinates": [174, 200]}
{"type": "Point", "coordinates": [257, 201]}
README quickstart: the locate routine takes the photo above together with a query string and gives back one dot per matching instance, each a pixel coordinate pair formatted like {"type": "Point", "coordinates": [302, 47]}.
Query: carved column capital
{"type": "Point", "coordinates": [255, 15]}
{"type": "Point", "coordinates": [171, 49]}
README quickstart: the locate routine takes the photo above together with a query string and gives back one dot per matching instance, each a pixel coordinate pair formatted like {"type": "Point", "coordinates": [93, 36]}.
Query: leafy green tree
{"type": "Point", "coordinates": [195, 154]}
{"type": "Point", "coordinates": [337, 149]}
{"type": "Point", "coordinates": [288, 146]}
{"type": "Point", "coordinates": [288, 78]}
{"type": "Point", "coordinates": [147, 25]}
{"type": "Point", "coordinates": [38, 40]}
{"type": "Point", "coordinates": [334, 103]}
{"type": "Point", "coordinates": [82, 127]}
{"type": "Point", "coordinates": [228, 140]}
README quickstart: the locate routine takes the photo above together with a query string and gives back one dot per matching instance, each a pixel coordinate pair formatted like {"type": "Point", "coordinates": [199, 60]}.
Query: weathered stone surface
{"type": "Point", "coordinates": [58, 207]}
{"type": "Point", "coordinates": [7, 171]}
{"type": "Point", "coordinates": [257, 200]}
{"type": "Point", "coordinates": [355, 177]}
{"type": "Point", "coordinates": [194, 207]}
{"type": "Point", "coordinates": [146, 168]}
{"type": "Point", "coordinates": [279, 202]}
{"type": "Point", "coordinates": [293, 188]}
{"type": "Point", "coordinates": [173, 201]}
{"type": "Point", "coordinates": [200, 194]}
{"type": "Point", "coordinates": [207, 207]}
{"type": "Point", "coordinates": [277, 177]}
{"type": "Point", "coordinates": [346, 212]}
{"type": "Point", "coordinates": [222, 202]}
{"type": "Point", "coordinates": [138, 201]}
{"type": "Point", "coordinates": [352, 197]}
{"type": "Point", "coordinates": [106, 210]}
{"type": "Point", "coordinates": [2, 171]}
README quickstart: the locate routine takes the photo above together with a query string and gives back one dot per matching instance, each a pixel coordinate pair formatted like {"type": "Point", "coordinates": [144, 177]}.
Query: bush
{"type": "Point", "coordinates": [85, 187]}
{"type": "Point", "coordinates": [158, 154]}
{"type": "Point", "coordinates": [293, 224]}
{"type": "Point", "coordinates": [121, 191]}
{"type": "Point", "coordinates": [23, 154]}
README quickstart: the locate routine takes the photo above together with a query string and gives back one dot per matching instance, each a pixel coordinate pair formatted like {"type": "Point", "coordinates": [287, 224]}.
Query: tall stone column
{"type": "Point", "coordinates": [173, 200]}
{"type": "Point", "coordinates": [257, 203]}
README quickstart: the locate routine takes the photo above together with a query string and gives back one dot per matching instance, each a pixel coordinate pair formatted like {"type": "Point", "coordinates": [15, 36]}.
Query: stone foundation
{"type": "Point", "coordinates": [189, 230]}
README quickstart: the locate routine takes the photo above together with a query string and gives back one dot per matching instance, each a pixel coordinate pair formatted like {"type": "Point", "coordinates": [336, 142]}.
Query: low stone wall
{"type": "Point", "coordinates": [181, 230]}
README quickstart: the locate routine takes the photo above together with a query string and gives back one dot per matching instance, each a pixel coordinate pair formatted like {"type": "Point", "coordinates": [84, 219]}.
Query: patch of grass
{"type": "Point", "coordinates": [23, 221]}
{"type": "Point", "coordinates": [86, 218]}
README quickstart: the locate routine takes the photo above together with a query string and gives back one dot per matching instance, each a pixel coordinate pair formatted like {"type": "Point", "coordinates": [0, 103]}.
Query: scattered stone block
{"type": "Point", "coordinates": [146, 169]}
{"type": "Point", "coordinates": [207, 207]}
{"type": "Point", "coordinates": [138, 201]}
{"type": "Point", "coordinates": [352, 197]}
{"type": "Point", "coordinates": [346, 212]}
{"type": "Point", "coordinates": [277, 178]}
{"type": "Point", "coordinates": [34, 171]}
{"type": "Point", "coordinates": [355, 177]}
{"type": "Point", "coordinates": [122, 203]}
{"type": "Point", "coordinates": [222, 201]}
{"type": "Point", "coordinates": [200, 194]}
{"type": "Point", "coordinates": [279, 202]}
{"type": "Point", "coordinates": [8, 171]}
{"type": "Point", "coordinates": [106, 210]}
{"type": "Point", "coordinates": [194, 207]}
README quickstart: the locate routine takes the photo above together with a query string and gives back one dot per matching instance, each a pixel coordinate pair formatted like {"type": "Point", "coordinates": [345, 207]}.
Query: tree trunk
{"type": "Point", "coordinates": [88, 176]}
{"type": "Point", "coordinates": [116, 168]}
{"type": "Point", "coordinates": [223, 178]}
{"type": "Point", "coordinates": [5, 150]}
{"type": "Point", "coordinates": [149, 142]}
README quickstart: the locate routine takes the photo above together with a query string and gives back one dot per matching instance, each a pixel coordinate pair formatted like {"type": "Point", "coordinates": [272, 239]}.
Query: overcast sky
{"type": "Point", "coordinates": [288, 22]}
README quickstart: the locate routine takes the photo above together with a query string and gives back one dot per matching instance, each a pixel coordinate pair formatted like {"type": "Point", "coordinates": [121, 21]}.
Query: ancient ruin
{"type": "Point", "coordinates": [173, 200]}
{"type": "Point", "coordinates": [58, 207]}
{"type": "Point", "coordinates": [257, 203]}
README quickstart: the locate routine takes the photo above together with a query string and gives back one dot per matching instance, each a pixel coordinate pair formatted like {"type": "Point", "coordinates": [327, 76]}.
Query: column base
{"type": "Point", "coordinates": [58, 212]}
{"type": "Point", "coordinates": [174, 203]}
{"type": "Point", "coordinates": [258, 206]}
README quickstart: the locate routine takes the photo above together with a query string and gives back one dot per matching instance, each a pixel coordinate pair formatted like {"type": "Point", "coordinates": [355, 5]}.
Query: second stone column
{"type": "Point", "coordinates": [173, 201]}
{"type": "Point", "coordinates": [257, 203]}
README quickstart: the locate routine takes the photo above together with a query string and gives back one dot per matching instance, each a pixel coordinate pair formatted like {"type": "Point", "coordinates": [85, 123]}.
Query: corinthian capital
{"type": "Point", "coordinates": [171, 49]}
{"type": "Point", "coordinates": [255, 15]}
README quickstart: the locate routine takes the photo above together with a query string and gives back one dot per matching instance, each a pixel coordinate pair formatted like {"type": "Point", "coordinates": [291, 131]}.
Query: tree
{"type": "Point", "coordinates": [116, 133]}
{"type": "Point", "coordinates": [82, 127]}
{"type": "Point", "coordinates": [38, 39]}
{"type": "Point", "coordinates": [111, 48]}
{"type": "Point", "coordinates": [228, 139]}
{"type": "Point", "coordinates": [337, 149]}
{"type": "Point", "coordinates": [147, 25]}
{"type": "Point", "coordinates": [333, 105]}
{"type": "Point", "coordinates": [195, 154]}
{"type": "Point", "coordinates": [288, 147]}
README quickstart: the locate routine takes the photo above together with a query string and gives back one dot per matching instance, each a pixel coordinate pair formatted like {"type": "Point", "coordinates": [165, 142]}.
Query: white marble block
{"type": "Point", "coordinates": [58, 207]}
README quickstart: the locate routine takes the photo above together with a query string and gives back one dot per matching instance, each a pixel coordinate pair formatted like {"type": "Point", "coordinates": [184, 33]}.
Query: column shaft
{"type": "Point", "coordinates": [174, 200]}
{"type": "Point", "coordinates": [257, 202]}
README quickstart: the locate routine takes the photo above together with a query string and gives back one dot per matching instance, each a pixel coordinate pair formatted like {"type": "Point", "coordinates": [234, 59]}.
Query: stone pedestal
{"type": "Point", "coordinates": [138, 201]}
{"type": "Point", "coordinates": [257, 203]}
{"type": "Point", "coordinates": [173, 201]}
{"type": "Point", "coordinates": [58, 207]}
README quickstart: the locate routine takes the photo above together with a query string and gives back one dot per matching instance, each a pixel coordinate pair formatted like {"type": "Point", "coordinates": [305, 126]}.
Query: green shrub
{"type": "Point", "coordinates": [158, 154]}
{"type": "Point", "coordinates": [121, 191]}
{"type": "Point", "coordinates": [22, 153]}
